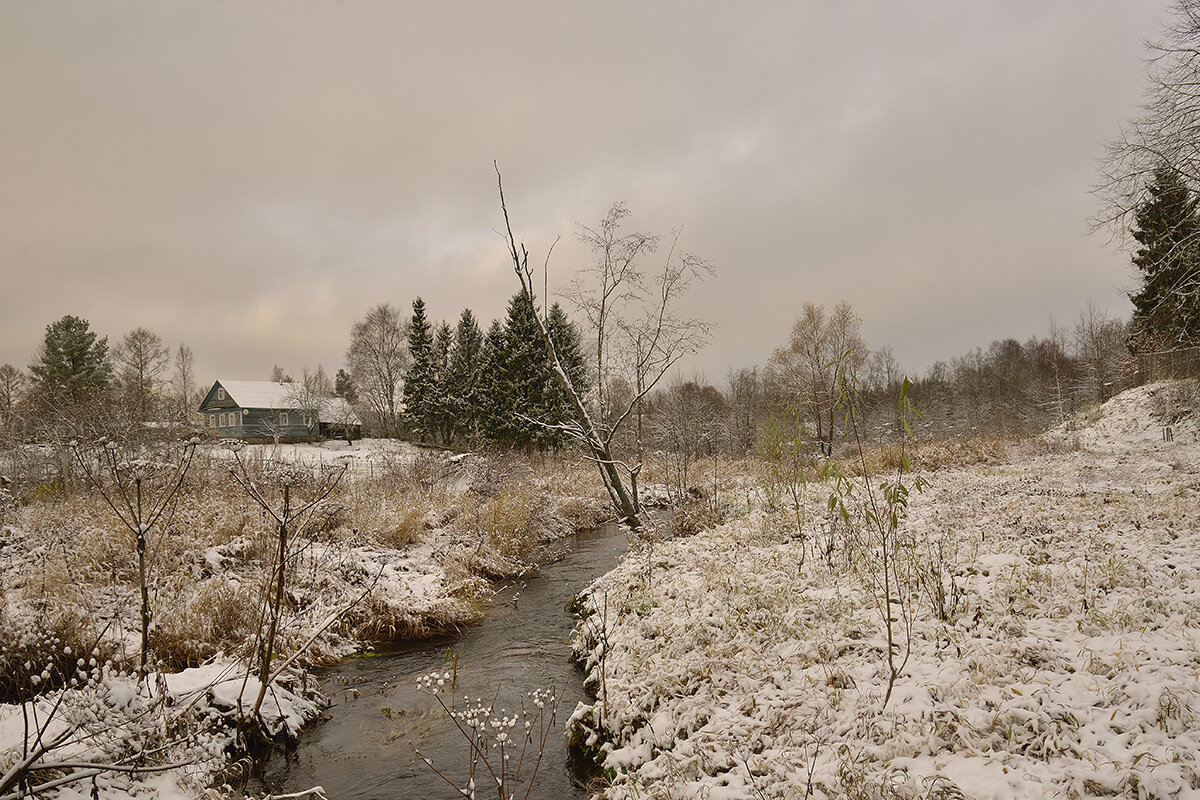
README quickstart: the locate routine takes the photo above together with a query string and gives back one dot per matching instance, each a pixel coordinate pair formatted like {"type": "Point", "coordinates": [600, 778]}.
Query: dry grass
{"type": "Point", "coordinates": [216, 616]}
{"type": "Point", "coordinates": [77, 562]}
{"type": "Point", "coordinates": [927, 455]}
{"type": "Point", "coordinates": [1176, 401]}
{"type": "Point", "coordinates": [395, 521]}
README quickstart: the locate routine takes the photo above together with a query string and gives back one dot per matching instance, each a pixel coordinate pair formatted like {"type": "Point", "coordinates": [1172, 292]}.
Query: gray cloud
{"type": "Point", "coordinates": [250, 178]}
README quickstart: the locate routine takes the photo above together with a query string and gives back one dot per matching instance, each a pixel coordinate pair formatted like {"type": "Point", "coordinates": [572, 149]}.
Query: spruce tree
{"type": "Point", "coordinates": [569, 344]}
{"type": "Point", "coordinates": [463, 375]}
{"type": "Point", "coordinates": [441, 412]}
{"type": "Point", "coordinates": [1167, 308]}
{"type": "Point", "coordinates": [526, 403]}
{"type": "Point", "coordinates": [489, 403]}
{"type": "Point", "coordinates": [522, 375]}
{"type": "Point", "coordinates": [419, 380]}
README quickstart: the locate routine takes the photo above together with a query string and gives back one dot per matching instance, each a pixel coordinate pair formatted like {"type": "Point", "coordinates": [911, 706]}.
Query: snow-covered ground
{"type": "Point", "coordinates": [749, 661]}
{"type": "Point", "coordinates": [405, 548]}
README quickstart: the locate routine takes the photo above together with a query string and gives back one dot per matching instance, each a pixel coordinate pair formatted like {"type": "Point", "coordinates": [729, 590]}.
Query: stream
{"type": "Point", "coordinates": [364, 748]}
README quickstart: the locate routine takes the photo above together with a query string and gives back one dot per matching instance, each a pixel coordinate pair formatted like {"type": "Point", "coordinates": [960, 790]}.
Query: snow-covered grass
{"type": "Point", "coordinates": [1053, 598]}
{"type": "Point", "coordinates": [405, 548]}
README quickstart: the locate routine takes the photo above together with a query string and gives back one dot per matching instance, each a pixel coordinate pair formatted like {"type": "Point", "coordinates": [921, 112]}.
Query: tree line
{"type": "Point", "coordinates": [406, 376]}
{"type": "Point", "coordinates": [77, 385]}
{"type": "Point", "coordinates": [461, 386]}
{"type": "Point", "coordinates": [457, 385]}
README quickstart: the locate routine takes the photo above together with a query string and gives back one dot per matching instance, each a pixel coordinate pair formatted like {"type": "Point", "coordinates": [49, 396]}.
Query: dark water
{"type": "Point", "coordinates": [361, 751]}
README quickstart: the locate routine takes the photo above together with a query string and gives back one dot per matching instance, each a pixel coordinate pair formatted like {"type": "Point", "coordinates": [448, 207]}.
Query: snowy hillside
{"type": "Point", "coordinates": [1049, 614]}
{"type": "Point", "coordinates": [1157, 418]}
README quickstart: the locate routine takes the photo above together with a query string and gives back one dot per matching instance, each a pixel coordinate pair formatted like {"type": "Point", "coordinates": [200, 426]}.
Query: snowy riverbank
{"type": "Point", "coordinates": [409, 546]}
{"type": "Point", "coordinates": [750, 660]}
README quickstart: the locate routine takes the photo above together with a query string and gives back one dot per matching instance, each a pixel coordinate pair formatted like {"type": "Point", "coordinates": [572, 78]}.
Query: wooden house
{"type": "Point", "coordinates": [269, 411]}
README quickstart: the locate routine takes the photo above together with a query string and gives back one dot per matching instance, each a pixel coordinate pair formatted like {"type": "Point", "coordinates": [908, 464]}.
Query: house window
{"type": "Point", "coordinates": [283, 418]}
{"type": "Point", "coordinates": [220, 394]}
{"type": "Point", "coordinates": [224, 420]}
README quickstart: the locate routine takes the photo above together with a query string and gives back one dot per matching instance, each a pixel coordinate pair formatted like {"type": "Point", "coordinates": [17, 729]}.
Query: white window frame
{"type": "Point", "coordinates": [220, 394]}
{"type": "Point", "coordinates": [283, 418]}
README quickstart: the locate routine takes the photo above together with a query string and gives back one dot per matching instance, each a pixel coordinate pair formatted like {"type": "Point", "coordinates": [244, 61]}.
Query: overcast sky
{"type": "Point", "coordinates": [250, 178]}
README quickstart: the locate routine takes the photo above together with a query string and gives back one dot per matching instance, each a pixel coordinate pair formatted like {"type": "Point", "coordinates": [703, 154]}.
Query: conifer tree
{"type": "Point", "coordinates": [1167, 308]}
{"type": "Point", "coordinates": [488, 402]}
{"type": "Point", "coordinates": [526, 402]}
{"type": "Point", "coordinates": [71, 362]}
{"type": "Point", "coordinates": [343, 386]}
{"type": "Point", "coordinates": [522, 375]}
{"type": "Point", "coordinates": [441, 411]}
{"type": "Point", "coordinates": [420, 379]}
{"type": "Point", "coordinates": [141, 359]}
{"type": "Point", "coordinates": [569, 344]}
{"type": "Point", "coordinates": [463, 376]}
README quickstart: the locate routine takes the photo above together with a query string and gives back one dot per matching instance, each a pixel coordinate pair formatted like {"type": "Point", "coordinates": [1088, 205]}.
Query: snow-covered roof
{"type": "Point", "coordinates": [338, 411]}
{"type": "Point", "coordinates": [269, 394]}
{"type": "Point", "coordinates": [261, 394]}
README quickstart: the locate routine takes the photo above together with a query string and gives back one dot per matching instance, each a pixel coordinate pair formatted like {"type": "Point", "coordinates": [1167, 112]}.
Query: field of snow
{"type": "Point", "coordinates": [1048, 619]}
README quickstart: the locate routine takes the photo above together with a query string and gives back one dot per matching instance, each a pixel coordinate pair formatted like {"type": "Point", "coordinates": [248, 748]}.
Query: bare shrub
{"type": "Point", "coordinates": [427, 470]}
{"type": "Point", "coordinates": [579, 513]}
{"type": "Point", "coordinates": [694, 516]}
{"type": "Point", "coordinates": [328, 517]}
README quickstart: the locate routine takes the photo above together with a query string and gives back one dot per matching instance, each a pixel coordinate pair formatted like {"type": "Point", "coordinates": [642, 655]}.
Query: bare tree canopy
{"type": "Point", "coordinates": [141, 360]}
{"type": "Point", "coordinates": [636, 333]}
{"type": "Point", "coordinates": [1166, 135]}
{"type": "Point", "coordinates": [183, 383]}
{"type": "Point", "coordinates": [823, 349]}
{"type": "Point", "coordinates": [638, 330]}
{"type": "Point", "coordinates": [12, 381]}
{"type": "Point", "coordinates": [378, 359]}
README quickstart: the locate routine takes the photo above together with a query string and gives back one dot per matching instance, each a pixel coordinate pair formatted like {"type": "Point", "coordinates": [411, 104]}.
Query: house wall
{"type": "Point", "coordinates": [223, 416]}
{"type": "Point", "coordinates": [256, 423]}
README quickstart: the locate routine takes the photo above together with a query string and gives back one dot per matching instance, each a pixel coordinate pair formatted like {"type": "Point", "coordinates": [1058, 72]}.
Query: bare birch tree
{"type": "Point", "coordinates": [378, 359]}
{"type": "Point", "coordinates": [640, 333]}
{"type": "Point", "coordinates": [183, 383]}
{"type": "Point", "coordinates": [824, 351]}
{"type": "Point", "coordinates": [312, 395]}
{"type": "Point", "coordinates": [1100, 349]}
{"type": "Point", "coordinates": [12, 382]}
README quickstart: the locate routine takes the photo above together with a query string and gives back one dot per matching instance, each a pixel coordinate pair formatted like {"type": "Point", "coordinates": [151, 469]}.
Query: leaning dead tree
{"type": "Point", "coordinates": [637, 337]}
